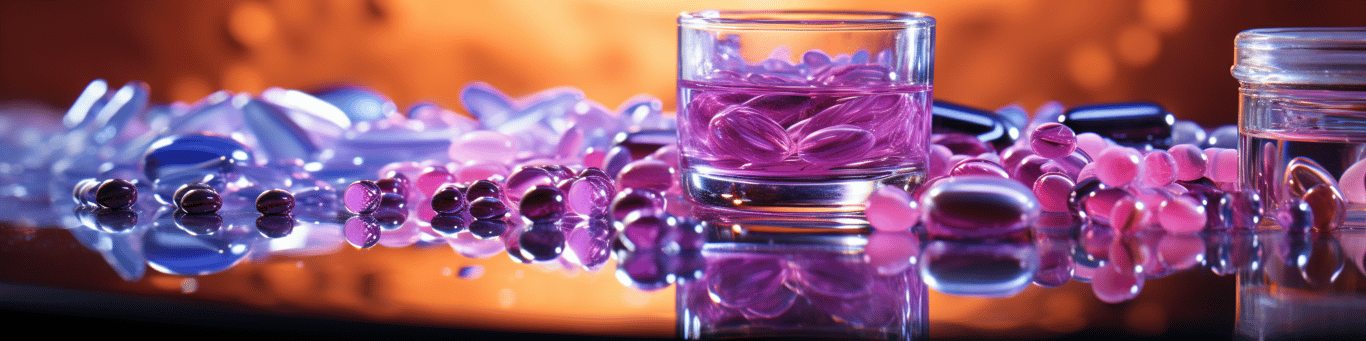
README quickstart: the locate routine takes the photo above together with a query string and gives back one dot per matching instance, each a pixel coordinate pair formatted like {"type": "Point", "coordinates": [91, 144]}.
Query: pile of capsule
{"type": "Point", "coordinates": [1128, 166]}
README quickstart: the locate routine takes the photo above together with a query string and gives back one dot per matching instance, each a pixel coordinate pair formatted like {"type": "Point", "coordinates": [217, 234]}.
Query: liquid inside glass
{"type": "Point", "coordinates": [1302, 128]}
{"type": "Point", "coordinates": [790, 148]}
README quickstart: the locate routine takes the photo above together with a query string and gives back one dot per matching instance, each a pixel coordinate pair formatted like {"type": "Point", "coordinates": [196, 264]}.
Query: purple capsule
{"type": "Point", "coordinates": [275, 201]}
{"type": "Point", "coordinates": [1052, 140]}
{"type": "Point", "coordinates": [361, 197]}
{"type": "Point", "coordinates": [836, 145]}
{"type": "Point", "coordinates": [116, 194]}
{"type": "Point", "coordinates": [524, 178]}
{"type": "Point", "coordinates": [396, 183]}
{"type": "Point", "coordinates": [1011, 156]}
{"type": "Point", "coordinates": [1295, 216]}
{"type": "Point", "coordinates": [487, 208]}
{"type": "Point", "coordinates": [180, 193]}
{"type": "Point", "coordinates": [449, 199]}
{"type": "Point", "coordinates": [1241, 209]}
{"type": "Point", "coordinates": [543, 203]}
{"type": "Point", "coordinates": [361, 231]}
{"type": "Point", "coordinates": [645, 233]}
{"type": "Point", "coordinates": [201, 201]}
{"type": "Point", "coordinates": [749, 135]}
{"type": "Point", "coordinates": [1070, 164]}
{"type": "Point", "coordinates": [637, 202]}
{"type": "Point", "coordinates": [590, 195]}
{"type": "Point", "coordinates": [978, 206]}
{"type": "Point", "coordinates": [483, 188]}
{"type": "Point", "coordinates": [647, 174]}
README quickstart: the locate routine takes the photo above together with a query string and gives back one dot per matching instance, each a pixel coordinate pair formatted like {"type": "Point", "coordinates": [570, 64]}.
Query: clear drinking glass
{"type": "Point", "coordinates": [802, 111]}
{"type": "Point", "coordinates": [1303, 121]}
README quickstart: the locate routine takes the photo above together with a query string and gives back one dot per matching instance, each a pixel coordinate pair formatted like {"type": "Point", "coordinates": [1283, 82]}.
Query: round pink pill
{"type": "Point", "coordinates": [1091, 143]}
{"type": "Point", "coordinates": [1181, 215]}
{"type": "Point", "coordinates": [1159, 169]}
{"type": "Point", "coordinates": [892, 209]}
{"type": "Point", "coordinates": [1117, 166]}
{"type": "Point", "coordinates": [1190, 161]}
{"type": "Point", "coordinates": [1052, 190]}
{"type": "Point", "coordinates": [1052, 140]}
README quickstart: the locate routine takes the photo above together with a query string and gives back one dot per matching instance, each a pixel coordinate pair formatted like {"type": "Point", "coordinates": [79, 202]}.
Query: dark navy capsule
{"type": "Point", "coordinates": [115, 220]}
{"type": "Point", "coordinates": [488, 228]}
{"type": "Point", "coordinates": [1130, 124]}
{"type": "Point", "coordinates": [483, 188]}
{"type": "Point", "coordinates": [180, 193]}
{"type": "Point", "coordinates": [448, 200]}
{"type": "Point", "coordinates": [645, 142]}
{"type": "Point", "coordinates": [984, 124]}
{"type": "Point", "coordinates": [201, 201]}
{"type": "Point", "coordinates": [116, 194]}
{"type": "Point", "coordinates": [542, 242]}
{"type": "Point", "coordinates": [487, 208]}
{"type": "Point", "coordinates": [199, 223]}
{"type": "Point", "coordinates": [448, 224]}
{"type": "Point", "coordinates": [275, 225]}
{"type": "Point", "coordinates": [275, 201]}
{"type": "Point", "coordinates": [543, 203]}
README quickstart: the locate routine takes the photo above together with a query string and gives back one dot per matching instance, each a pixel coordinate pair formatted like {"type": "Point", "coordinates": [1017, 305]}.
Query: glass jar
{"type": "Point", "coordinates": [802, 111]}
{"type": "Point", "coordinates": [1303, 123]}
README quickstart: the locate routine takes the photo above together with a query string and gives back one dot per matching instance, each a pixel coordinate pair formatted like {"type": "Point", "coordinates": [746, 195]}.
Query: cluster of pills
{"type": "Point", "coordinates": [1127, 166]}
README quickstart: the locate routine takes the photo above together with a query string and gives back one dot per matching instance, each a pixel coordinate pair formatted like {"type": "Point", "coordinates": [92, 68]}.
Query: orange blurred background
{"type": "Point", "coordinates": [989, 54]}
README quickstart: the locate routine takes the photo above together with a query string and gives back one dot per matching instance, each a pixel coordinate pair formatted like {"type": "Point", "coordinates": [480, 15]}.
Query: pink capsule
{"type": "Point", "coordinates": [938, 161]}
{"type": "Point", "coordinates": [1052, 140]}
{"type": "Point", "coordinates": [432, 178]}
{"type": "Point", "coordinates": [1223, 167]}
{"type": "Point", "coordinates": [1117, 166]}
{"type": "Point", "coordinates": [1091, 143]}
{"type": "Point", "coordinates": [1159, 169]}
{"type": "Point", "coordinates": [1011, 156]}
{"type": "Point", "coordinates": [978, 167]}
{"type": "Point", "coordinates": [1052, 190]}
{"type": "Point", "coordinates": [1190, 161]}
{"type": "Point", "coordinates": [1100, 203]}
{"type": "Point", "coordinates": [1182, 214]}
{"type": "Point", "coordinates": [1129, 214]}
{"type": "Point", "coordinates": [892, 209]}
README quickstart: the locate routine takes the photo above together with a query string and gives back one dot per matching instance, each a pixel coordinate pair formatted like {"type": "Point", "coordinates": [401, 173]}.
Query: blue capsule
{"type": "Point", "coordinates": [985, 125]}
{"type": "Point", "coordinates": [1131, 124]}
{"type": "Point", "coordinates": [174, 154]}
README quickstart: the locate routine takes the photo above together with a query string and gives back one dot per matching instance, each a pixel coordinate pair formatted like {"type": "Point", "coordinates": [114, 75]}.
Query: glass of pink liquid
{"type": "Point", "coordinates": [802, 111]}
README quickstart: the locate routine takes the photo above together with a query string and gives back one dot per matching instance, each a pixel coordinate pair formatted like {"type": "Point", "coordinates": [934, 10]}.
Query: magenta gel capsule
{"type": "Point", "coordinates": [839, 107]}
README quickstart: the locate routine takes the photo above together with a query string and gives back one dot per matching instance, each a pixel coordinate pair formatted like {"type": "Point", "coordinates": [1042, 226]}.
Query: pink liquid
{"type": "Point", "coordinates": [801, 133]}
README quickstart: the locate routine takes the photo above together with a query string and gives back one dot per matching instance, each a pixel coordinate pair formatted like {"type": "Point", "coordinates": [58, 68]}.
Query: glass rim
{"type": "Point", "coordinates": [1301, 55]}
{"type": "Point", "coordinates": [1301, 37]}
{"type": "Point", "coordinates": [806, 20]}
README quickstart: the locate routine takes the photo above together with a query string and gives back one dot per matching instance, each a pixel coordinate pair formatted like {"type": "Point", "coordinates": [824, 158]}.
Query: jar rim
{"type": "Point", "coordinates": [1301, 55]}
{"type": "Point", "coordinates": [812, 20]}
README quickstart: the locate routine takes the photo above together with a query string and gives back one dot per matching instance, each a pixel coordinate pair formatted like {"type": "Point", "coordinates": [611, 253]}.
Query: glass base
{"type": "Point", "coordinates": [786, 195]}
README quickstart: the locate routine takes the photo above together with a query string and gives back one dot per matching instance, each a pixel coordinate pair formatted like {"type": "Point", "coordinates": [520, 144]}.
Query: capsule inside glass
{"type": "Point", "coordinates": [802, 111]}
